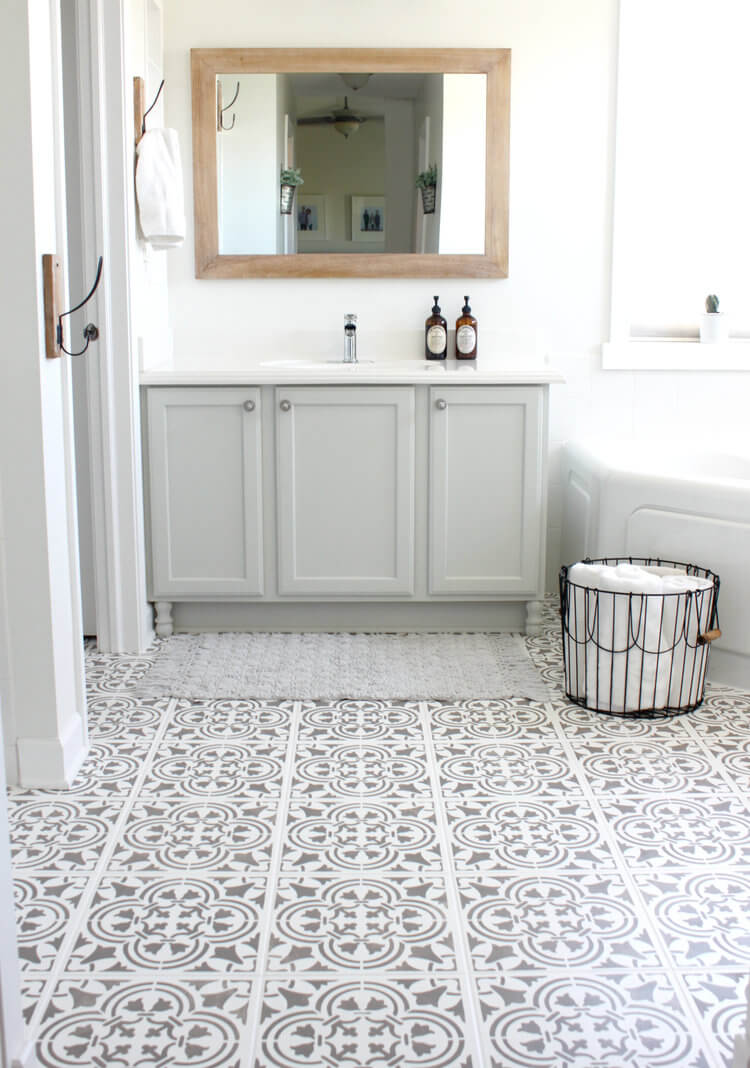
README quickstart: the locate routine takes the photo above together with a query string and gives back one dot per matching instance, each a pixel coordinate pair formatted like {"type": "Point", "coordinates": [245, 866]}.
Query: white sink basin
{"type": "Point", "coordinates": [312, 363]}
{"type": "Point", "coordinates": [390, 365]}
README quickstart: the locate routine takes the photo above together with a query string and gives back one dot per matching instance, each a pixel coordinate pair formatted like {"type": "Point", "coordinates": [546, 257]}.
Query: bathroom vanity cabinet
{"type": "Point", "coordinates": [364, 506]}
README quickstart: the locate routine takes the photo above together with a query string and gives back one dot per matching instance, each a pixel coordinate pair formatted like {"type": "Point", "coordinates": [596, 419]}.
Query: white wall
{"type": "Point", "coordinates": [339, 167]}
{"type": "Point", "coordinates": [562, 111]}
{"type": "Point", "coordinates": [148, 269]}
{"type": "Point", "coordinates": [400, 169]}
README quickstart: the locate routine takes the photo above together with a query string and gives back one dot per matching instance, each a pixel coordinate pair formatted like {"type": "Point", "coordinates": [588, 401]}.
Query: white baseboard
{"type": "Point", "coordinates": [11, 765]}
{"type": "Point", "coordinates": [52, 762]}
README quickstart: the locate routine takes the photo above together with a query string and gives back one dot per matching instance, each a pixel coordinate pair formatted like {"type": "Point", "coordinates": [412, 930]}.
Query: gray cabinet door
{"type": "Point", "coordinates": [486, 490]}
{"type": "Point", "coordinates": [345, 490]}
{"type": "Point", "coordinates": [204, 449]}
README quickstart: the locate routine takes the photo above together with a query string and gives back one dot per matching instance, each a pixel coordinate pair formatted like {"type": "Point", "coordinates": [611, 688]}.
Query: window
{"type": "Point", "coordinates": [682, 168]}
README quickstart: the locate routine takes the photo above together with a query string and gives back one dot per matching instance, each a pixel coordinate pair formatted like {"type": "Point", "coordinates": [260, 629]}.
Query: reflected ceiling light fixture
{"type": "Point", "coordinates": [345, 121]}
{"type": "Point", "coordinates": [355, 81]}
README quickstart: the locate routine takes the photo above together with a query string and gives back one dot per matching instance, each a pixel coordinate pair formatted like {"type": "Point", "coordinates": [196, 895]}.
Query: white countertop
{"type": "Point", "coordinates": [234, 372]}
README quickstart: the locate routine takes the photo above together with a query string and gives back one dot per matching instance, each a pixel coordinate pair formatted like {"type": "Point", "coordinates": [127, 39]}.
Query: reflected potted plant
{"type": "Point", "coordinates": [713, 322]}
{"type": "Point", "coordinates": [427, 183]}
{"type": "Point", "coordinates": [290, 178]}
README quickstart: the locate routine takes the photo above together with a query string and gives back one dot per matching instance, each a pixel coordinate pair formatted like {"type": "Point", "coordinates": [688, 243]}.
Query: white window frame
{"type": "Point", "coordinates": [624, 351]}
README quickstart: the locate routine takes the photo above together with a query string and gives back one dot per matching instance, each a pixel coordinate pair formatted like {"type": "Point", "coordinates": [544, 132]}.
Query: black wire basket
{"type": "Point", "coordinates": [638, 654]}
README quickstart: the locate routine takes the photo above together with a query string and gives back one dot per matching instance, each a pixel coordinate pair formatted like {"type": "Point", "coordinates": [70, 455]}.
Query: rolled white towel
{"type": "Point", "coordinates": [159, 189]}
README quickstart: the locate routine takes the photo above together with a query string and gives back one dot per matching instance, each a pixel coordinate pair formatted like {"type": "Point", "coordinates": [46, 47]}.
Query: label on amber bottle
{"type": "Point", "coordinates": [466, 339]}
{"type": "Point", "coordinates": [436, 339]}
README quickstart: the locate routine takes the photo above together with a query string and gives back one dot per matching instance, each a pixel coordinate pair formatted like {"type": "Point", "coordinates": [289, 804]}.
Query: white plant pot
{"type": "Point", "coordinates": [714, 328]}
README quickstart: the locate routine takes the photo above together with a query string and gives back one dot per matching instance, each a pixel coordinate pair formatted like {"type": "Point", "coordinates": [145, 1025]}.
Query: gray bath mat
{"type": "Point", "coordinates": [330, 666]}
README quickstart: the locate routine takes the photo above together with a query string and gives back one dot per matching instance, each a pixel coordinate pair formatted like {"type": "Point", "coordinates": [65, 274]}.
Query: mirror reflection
{"type": "Point", "coordinates": [389, 163]}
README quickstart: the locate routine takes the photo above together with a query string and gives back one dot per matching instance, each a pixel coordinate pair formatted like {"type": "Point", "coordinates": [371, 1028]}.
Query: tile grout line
{"type": "Point", "coordinates": [254, 1022]}
{"type": "Point", "coordinates": [92, 883]}
{"type": "Point", "coordinates": [714, 762]}
{"type": "Point", "coordinates": [453, 899]}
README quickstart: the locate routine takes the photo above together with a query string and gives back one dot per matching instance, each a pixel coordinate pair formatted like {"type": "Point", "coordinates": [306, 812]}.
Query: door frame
{"type": "Point", "coordinates": [107, 168]}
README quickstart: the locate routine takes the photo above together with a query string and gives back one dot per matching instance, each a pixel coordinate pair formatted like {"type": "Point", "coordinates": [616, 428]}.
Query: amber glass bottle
{"type": "Point", "coordinates": [466, 334]}
{"type": "Point", "coordinates": [435, 335]}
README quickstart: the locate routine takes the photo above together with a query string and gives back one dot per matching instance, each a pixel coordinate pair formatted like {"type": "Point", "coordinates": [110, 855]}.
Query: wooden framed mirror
{"type": "Point", "coordinates": [360, 124]}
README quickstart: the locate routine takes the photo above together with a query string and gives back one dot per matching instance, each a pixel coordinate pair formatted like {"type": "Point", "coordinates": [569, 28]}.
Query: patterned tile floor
{"type": "Point", "coordinates": [365, 884]}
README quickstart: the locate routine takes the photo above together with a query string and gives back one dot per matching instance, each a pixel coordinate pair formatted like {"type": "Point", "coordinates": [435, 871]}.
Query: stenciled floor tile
{"type": "Point", "coordinates": [125, 718]}
{"type": "Point", "coordinates": [215, 769]}
{"type": "Point", "coordinates": [733, 757]}
{"type": "Point", "coordinates": [656, 767]}
{"type": "Point", "coordinates": [555, 839]}
{"type": "Point", "coordinates": [158, 1021]}
{"type": "Point", "coordinates": [184, 923]}
{"type": "Point", "coordinates": [364, 835]}
{"type": "Point", "coordinates": [228, 834]}
{"type": "Point", "coordinates": [490, 834]}
{"type": "Point", "coordinates": [548, 921]}
{"type": "Point", "coordinates": [59, 834]}
{"type": "Point", "coordinates": [46, 907]}
{"type": "Point", "coordinates": [721, 1001]}
{"type": "Point", "coordinates": [704, 919]}
{"type": "Point", "coordinates": [110, 768]}
{"type": "Point", "coordinates": [375, 923]}
{"type": "Point", "coordinates": [365, 770]}
{"type": "Point", "coordinates": [579, 722]}
{"type": "Point", "coordinates": [702, 832]}
{"type": "Point", "coordinates": [509, 718]}
{"type": "Point", "coordinates": [32, 997]}
{"type": "Point", "coordinates": [724, 713]}
{"type": "Point", "coordinates": [360, 721]}
{"type": "Point", "coordinates": [503, 769]}
{"type": "Point", "coordinates": [555, 1021]}
{"type": "Point", "coordinates": [229, 721]}
{"type": "Point", "coordinates": [389, 1023]}
{"type": "Point", "coordinates": [108, 673]}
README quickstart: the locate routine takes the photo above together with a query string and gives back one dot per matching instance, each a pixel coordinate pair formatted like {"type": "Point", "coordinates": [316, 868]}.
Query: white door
{"type": "Point", "coordinates": [42, 694]}
{"type": "Point", "coordinates": [206, 492]}
{"type": "Point", "coordinates": [486, 490]}
{"type": "Point", "coordinates": [345, 486]}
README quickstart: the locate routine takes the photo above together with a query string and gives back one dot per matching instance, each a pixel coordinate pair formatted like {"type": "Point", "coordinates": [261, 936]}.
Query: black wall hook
{"type": "Point", "coordinates": [90, 331]}
{"type": "Point", "coordinates": [226, 108]}
{"type": "Point", "coordinates": [145, 113]}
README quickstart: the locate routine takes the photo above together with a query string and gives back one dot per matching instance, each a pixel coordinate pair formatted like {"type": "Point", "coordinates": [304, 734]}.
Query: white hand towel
{"type": "Point", "coordinates": [159, 189]}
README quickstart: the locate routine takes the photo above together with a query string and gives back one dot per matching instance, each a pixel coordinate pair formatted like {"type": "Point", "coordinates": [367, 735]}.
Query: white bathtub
{"type": "Point", "coordinates": [693, 506]}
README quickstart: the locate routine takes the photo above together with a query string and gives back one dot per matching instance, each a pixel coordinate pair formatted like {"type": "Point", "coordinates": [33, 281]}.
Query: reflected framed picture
{"type": "Point", "coordinates": [368, 218]}
{"type": "Point", "coordinates": [312, 217]}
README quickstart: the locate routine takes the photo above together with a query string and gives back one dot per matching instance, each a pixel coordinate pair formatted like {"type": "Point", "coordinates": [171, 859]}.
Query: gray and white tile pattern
{"type": "Point", "coordinates": [388, 884]}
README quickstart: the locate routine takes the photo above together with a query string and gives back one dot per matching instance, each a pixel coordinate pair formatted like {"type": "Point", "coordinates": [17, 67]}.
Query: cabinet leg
{"type": "Point", "coordinates": [164, 626]}
{"type": "Point", "coordinates": [533, 617]}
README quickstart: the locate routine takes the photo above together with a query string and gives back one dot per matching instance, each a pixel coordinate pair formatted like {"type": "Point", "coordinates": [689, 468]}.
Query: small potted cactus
{"type": "Point", "coordinates": [427, 182]}
{"type": "Point", "coordinates": [290, 178]}
{"type": "Point", "coordinates": [713, 322]}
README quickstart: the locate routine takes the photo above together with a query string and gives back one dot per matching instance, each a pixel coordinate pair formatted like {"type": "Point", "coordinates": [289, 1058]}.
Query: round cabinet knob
{"type": "Point", "coordinates": [441, 404]}
{"type": "Point", "coordinates": [285, 405]}
{"type": "Point", "coordinates": [249, 406]}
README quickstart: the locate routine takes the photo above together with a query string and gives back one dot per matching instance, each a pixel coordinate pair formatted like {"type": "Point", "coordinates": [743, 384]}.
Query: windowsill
{"type": "Point", "coordinates": [677, 355]}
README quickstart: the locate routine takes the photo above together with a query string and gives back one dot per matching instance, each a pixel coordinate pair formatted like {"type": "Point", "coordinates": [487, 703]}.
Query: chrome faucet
{"type": "Point", "coordinates": [350, 339]}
